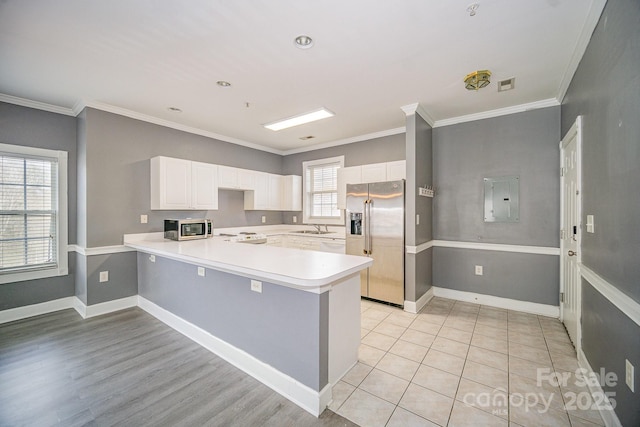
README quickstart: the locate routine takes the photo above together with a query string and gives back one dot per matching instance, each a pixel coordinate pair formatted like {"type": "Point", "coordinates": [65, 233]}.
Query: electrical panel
{"type": "Point", "coordinates": [502, 199]}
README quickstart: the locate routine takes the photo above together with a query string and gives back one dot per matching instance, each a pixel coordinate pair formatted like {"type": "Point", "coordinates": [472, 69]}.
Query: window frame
{"type": "Point", "coordinates": [306, 194]}
{"type": "Point", "coordinates": [62, 227]}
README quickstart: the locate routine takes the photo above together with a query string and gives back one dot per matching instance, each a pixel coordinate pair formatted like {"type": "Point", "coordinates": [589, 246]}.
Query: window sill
{"type": "Point", "coordinates": [33, 275]}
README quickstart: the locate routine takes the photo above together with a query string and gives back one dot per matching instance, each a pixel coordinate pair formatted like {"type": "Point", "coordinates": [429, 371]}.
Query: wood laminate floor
{"type": "Point", "coordinates": [127, 368]}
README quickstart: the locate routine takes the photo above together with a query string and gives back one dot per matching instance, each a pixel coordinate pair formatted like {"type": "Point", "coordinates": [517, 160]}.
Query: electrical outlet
{"type": "Point", "coordinates": [256, 286]}
{"type": "Point", "coordinates": [104, 276]}
{"type": "Point", "coordinates": [629, 375]}
{"type": "Point", "coordinates": [264, 219]}
{"type": "Point", "coordinates": [144, 219]}
{"type": "Point", "coordinates": [201, 271]}
{"type": "Point", "coordinates": [479, 270]}
{"type": "Point", "coordinates": [152, 258]}
{"type": "Point", "coordinates": [295, 219]}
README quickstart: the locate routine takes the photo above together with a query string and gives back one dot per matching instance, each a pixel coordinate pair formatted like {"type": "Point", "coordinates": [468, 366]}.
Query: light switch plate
{"type": "Point", "coordinates": [144, 219]}
{"type": "Point", "coordinates": [479, 270]}
{"type": "Point", "coordinates": [104, 276]}
{"type": "Point", "coordinates": [152, 258]}
{"type": "Point", "coordinates": [201, 271]}
{"type": "Point", "coordinates": [295, 219]}
{"type": "Point", "coordinates": [417, 219]}
{"type": "Point", "coordinates": [256, 286]}
{"type": "Point", "coordinates": [591, 226]}
{"type": "Point", "coordinates": [629, 375]}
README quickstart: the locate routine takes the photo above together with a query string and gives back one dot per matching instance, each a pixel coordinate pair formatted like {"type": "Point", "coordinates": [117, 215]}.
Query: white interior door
{"type": "Point", "coordinates": [570, 299]}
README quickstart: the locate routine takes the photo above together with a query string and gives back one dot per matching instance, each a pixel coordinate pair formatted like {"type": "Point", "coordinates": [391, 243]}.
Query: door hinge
{"type": "Point", "coordinates": [561, 296]}
{"type": "Point", "coordinates": [561, 171]}
{"type": "Point", "coordinates": [561, 234]}
{"type": "Point", "coordinates": [577, 192]}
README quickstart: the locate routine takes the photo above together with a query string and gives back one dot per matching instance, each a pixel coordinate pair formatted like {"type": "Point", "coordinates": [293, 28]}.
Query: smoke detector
{"type": "Point", "coordinates": [507, 84]}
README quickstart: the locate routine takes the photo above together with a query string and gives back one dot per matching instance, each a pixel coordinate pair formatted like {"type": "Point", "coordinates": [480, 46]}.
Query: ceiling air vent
{"type": "Point", "coordinates": [507, 84]}
{"type": "Point", "coordinates": [304, 138]}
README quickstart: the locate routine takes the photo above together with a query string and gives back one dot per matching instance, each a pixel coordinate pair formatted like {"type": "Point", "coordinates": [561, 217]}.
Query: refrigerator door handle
{"type": "Point", "coordinates": [364, 227]}
{"type": "Point", "coordinates": [370, 247]}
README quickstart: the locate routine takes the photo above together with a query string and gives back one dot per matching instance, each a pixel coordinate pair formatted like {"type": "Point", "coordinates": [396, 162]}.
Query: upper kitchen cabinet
{"type": "Point", "coordinates": [235, 178]}
{"type": "Point", "coordinates": [375, 172]}
{"type": "Point", "coordinates": [178, 184]}
{"type": "Point", "coordinates": [292, 193]}
{"type": "Point", "coordinates": [396, 170]}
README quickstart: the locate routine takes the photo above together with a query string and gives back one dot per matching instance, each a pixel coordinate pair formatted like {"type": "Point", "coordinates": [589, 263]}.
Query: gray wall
{"type": "Point", "coordinates": [606, 92]}
{"type": "Point", "coordinates": [524, 144]}
{"type": "Point", "coordinates": [524, 277]}
{"type": "Point", "coordinates": [419, 148]}
{"type": "Point", "coordinates": [34, 128]}
{"type": "Point", "coordinates": [118, 150]}
{"type": "Point", "coordinates": [283, 327]}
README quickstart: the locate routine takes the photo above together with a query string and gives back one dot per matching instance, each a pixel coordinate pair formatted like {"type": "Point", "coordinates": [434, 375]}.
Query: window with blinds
{"type": "Point", "coordinates": [321, 191]}
{"type": "Point", "coordinates": [324, 190]}
{"type": "Point", "coordinates": [29, 213]}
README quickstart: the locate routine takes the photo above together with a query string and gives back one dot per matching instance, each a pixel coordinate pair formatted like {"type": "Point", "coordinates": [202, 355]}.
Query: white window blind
{"type": "Point", "coordinates": [320, 195]}
{"type": "Point", "coordinates": [28, 213]}
{"type": "Point", "coordinates": [323, 181]}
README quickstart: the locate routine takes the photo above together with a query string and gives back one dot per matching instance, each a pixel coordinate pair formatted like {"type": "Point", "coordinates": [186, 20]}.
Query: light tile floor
{"type": "Point", "coordinates": [462, 364]}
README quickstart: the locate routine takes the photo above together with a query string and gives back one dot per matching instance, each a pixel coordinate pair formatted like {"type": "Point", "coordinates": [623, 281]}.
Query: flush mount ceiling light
{"type": "Point", "coordinates": [477, 79]}
{"type": "Point", "coordinates": [300, 119]}
{"type": "Point", "coordinates": [303, 42]}
{"type": "Point", "coordinates": [223, 83]}
{"type": "Point", "coordinates": [473, 9]}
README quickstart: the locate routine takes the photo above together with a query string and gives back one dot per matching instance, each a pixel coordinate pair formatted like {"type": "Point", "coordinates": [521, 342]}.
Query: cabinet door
{"type": "Point", "coordinates": [396, 170]}
{"type": "Point", "coordinates": [204, 186]}
{"type": "Point", "coordinates": [350, 175]}
{"type": "Point", "coordinates": [170, 183]}
{"type": "Point", "coordinates": [375, 172]}
{"type": "Point", "coordinates": [334, 246]}
{"type": "Point", "coordinates": [275, 192]}
{"type": "Point", "coordinates": [258, 198]}
{"type": "Point", "coordinates": [227, 177]}
{"type": "Point", "coordinates": [246, 179]}
{"type": "Point", "coordinates": [292, 193]}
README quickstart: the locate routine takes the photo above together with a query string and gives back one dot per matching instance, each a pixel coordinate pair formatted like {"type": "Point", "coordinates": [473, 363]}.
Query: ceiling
{"type": "Point", "coordinates": [369, 59]}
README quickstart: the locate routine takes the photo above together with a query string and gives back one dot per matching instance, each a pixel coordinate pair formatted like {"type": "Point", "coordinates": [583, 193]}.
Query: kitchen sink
{"type": "Point", "coordinates": [313, 232]}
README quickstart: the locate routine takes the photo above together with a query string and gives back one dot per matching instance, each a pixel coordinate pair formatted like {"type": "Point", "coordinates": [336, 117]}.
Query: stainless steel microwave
{"type": "Point", "coordinates": [187, 229]}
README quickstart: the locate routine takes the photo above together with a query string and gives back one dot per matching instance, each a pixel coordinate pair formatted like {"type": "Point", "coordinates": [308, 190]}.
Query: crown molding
{"type": "Point", "coordinates": [595, 11]}
{"type": "Point", "coordinates": [36, 105]}
{"type": "Point", "coordinates": [422, 112]}
{"type": "Point", "coordinates": [388, 132]}
{"type": "Point", "coordinates": [551, 102]}
{"type": "Point", "coordinates": [169, 124]}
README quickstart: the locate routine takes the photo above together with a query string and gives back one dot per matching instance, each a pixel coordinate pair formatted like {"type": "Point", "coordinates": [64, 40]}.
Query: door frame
{"type": "Point", "coordinates": [576, 129]}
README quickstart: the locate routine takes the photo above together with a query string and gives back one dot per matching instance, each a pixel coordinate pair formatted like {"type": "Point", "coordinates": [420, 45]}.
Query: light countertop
{"type": "Point", "coordinates": [311, 271]}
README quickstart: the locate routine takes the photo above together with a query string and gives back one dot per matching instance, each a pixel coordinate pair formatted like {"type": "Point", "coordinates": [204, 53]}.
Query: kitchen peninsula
{"type": "Point", "coordinates": [288, 317]}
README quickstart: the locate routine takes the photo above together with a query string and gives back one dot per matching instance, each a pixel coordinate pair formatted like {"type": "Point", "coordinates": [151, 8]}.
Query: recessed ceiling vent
{"type": "Point", "coordinates": [304, 138]}
{"type": "Point", "coordinates": [507, 84]}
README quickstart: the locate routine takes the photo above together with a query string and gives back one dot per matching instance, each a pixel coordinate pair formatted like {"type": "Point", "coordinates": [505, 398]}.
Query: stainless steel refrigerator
{"type": "Point", "coordinates": [375, 228]}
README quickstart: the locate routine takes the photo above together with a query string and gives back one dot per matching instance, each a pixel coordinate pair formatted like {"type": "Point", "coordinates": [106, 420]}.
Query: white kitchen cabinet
{"type": "Point", "coordinates": [277, 240]}
{"type": "Point", "coordinates": [235, 178]}
{"type": "Point", "coordinates": [350, 175]}
{"type": "Point", "coordinates": [336, 246]}
{"type": "Point", "coordinates": [178, 184]}
{"type": "Point", "coordinates": [396, 170]}
{"type": "Point", "coordinates": [275, 192]}
{"type": "Point", "coordinates": [258, 198]}
{"type": "Point", "coordinates": [292, 193]}
{"type": "Point", "coordinates": [375, 172]}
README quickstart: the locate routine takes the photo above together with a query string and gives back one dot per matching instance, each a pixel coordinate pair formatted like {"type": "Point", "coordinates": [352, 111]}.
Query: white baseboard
{"type": "Point", "coordinates": [18, 313]}
{"type": "Point", "coordinates": [609, 417]}
{"type": "Point", "coordinates": [310, 400]}
{"type": "Point", "coordinates": [415, 307]}
{"type": "Point", "coordinates": [506, 303]}
{"type": "Point", "coordinates": [87, 311]}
